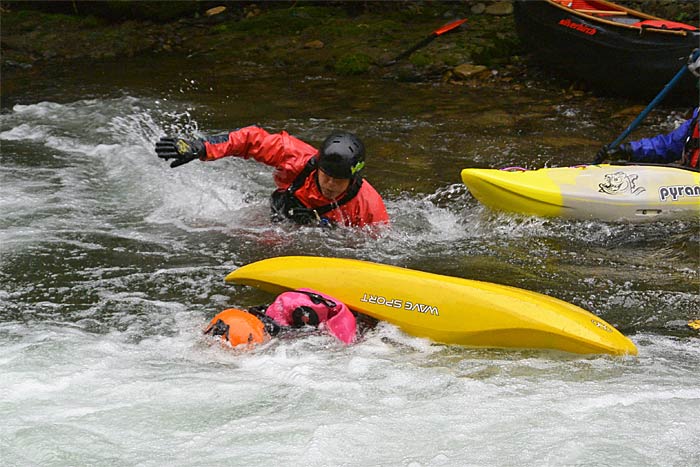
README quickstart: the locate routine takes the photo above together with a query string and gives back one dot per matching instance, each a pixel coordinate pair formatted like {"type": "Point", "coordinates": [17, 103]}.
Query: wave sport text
{"type": "Point", "coordinates": [398, 303]}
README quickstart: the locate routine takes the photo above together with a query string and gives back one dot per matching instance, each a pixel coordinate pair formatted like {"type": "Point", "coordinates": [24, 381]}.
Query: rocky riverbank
{"type": "Point", "coordinates": [344, 38]}
{"type": "Point", "coordinates": [295, 35]}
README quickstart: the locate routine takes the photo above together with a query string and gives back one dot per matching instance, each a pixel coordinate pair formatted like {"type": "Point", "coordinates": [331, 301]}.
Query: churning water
{"type": "Point", "coordinates": [111, 264]}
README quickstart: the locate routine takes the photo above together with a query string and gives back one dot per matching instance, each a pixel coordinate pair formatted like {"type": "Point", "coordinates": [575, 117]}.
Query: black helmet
{"type": "Point", "coordinates": [342, 155]}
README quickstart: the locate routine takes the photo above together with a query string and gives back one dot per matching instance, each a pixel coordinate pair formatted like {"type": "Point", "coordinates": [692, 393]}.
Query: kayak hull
{"type": "Point", "coordinates": [633, 193]}
{"type": "Point", "coordinates": [445, 309]}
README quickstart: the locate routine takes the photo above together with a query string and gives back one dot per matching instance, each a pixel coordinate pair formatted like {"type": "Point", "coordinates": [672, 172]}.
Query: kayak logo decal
{"type": "Point", "coordinates": [400, 304]}
{"type": "Point", "coordinates": [619, 183]}
{"type": "Point", "coordinates": [567, 23]}
{"type": "Point", "coordinates": [678, 191]}
{"type": "Point", "coordinates": [602, 326]}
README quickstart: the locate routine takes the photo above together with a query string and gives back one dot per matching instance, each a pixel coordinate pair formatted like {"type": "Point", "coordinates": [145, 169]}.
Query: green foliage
{"type": "Point", "coordinates": [29, 20]}
{"type": "Point", "coordinates": [421, 60]}
{"type": "Point", "coordinates": [353, 64]}
{"type": "Point", "coordinates": [451, 60]}
{"type": "Point", "coordinates": [499, 49]}
{"type": "Point", "coordinates": [115, 10]}
{"type": "Point", "coordinates": [683, 17]}
{"type": "Point", "coordinates": [220, 29]}
{"type": "Point", "coordinates": [288, 20]}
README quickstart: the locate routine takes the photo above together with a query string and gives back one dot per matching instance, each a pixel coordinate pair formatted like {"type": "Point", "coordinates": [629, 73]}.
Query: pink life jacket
{"type": "Point", "coordinates": [308, 307]}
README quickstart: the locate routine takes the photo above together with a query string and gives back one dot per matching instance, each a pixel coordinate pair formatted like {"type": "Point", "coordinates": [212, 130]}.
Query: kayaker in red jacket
{"type": "Point", "coordinates": [322, 187]}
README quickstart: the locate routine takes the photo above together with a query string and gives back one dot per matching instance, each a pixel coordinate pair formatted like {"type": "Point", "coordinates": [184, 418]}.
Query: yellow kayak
{"type": "Point", "coordinates": [445, 309]}
{"type": "Point", "coordinates": [604, 192]}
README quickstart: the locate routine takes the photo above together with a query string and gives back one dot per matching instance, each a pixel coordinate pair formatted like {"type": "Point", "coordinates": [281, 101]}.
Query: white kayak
{"type": "Point", "coordinates": [604, 192]}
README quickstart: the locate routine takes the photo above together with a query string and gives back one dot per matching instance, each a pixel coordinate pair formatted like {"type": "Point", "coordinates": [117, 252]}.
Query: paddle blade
{"type": "Point", "coordinates": [449, 27]}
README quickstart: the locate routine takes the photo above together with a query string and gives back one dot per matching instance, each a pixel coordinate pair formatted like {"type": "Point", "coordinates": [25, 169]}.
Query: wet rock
{"type": "Point", "coordinates": [317, 44]}
{"type": "Point", "coordinates": [478, 9]}
{"type": "Point", "coordinates": [469, 71]}
{"type": "Point", "coordinates": [500, 9]}
{"type": "Point", "coordinates": [251, 11]}
{"type": "Point", "coordinates": [215, 11]}
{"type": "Point", "coordinates": [12, 63]}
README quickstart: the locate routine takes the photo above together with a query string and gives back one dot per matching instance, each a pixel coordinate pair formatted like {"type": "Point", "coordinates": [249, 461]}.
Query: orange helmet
{"type": "Point", "coordinates": [237, 327]}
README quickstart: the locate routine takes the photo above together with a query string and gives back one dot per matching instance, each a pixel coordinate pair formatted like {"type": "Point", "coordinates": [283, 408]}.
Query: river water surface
{"type": "Point", "coordinates": [111, 263]}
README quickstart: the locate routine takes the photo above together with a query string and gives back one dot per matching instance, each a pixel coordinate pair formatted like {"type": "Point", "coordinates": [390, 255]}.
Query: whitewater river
{"type": "Point", "coordinates": [111, 263]}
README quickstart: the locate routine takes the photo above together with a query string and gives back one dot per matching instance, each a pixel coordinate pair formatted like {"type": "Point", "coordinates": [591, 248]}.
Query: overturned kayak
{"type": "Point", "coordinates": [603, 192]}
{"type": "Point", "coordinates": [445, 309]}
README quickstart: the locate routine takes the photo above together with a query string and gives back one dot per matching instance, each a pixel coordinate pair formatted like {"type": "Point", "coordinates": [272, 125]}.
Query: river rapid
{"type": "Point", "coordinates": [111, 263]}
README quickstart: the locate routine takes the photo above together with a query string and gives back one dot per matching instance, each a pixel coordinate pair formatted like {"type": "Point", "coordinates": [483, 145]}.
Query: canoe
{"type": "Point", "coordinates": [632, 193]}
{"type": "Point", "coordinates": [445, 309]}
{"type": "Point", "coordinates": [612, 49]}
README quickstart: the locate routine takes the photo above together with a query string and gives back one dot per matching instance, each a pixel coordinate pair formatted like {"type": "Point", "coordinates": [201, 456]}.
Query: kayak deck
{"type": "Point", "coordinates": [604, 192]}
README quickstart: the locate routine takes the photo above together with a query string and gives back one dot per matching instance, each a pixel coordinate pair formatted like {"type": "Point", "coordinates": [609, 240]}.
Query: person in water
{"type": "Point", "coordinates": [290, 312]}
{"type": "Point", "coordinates": [314, 187]}
{"type": "Point", "coordinates": [680, 146]}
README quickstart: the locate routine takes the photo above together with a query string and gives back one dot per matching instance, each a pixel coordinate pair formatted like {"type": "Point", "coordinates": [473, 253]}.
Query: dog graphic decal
{"type": "Point", "coordinates": [619, 183]}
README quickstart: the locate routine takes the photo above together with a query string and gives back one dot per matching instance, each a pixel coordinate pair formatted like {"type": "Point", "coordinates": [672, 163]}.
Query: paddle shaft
{"type": "Point", "coordinates": [408, 52]}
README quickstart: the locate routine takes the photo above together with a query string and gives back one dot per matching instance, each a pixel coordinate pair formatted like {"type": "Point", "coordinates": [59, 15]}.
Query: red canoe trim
{"type": "Point", "coordinates": [663, 24]}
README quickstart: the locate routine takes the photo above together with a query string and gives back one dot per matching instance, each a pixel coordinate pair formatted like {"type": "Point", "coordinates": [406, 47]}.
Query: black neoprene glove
{"type": "Point", "coordinates": [182, 150]}
{"type": "Point", "coordinates": [621, 152]}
